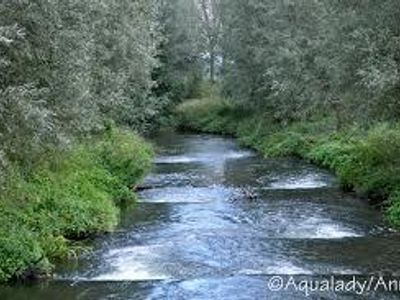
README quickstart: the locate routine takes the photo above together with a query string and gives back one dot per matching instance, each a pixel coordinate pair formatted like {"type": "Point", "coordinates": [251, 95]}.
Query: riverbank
{"type": "Point", "coordinates": [68, 197]}
{"type": "Point", "coordinates": [365, 160]}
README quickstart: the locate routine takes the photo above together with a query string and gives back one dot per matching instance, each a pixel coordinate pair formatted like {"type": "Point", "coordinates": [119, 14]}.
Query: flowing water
{"type": "Point", "coordinates": [217, 221]}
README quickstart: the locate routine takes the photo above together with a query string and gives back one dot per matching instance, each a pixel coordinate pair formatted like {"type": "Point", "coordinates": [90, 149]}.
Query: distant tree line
{"type": "Point", "coordinates": [66, 67]}
{"type": "Point", "coordinates": [294, 59]}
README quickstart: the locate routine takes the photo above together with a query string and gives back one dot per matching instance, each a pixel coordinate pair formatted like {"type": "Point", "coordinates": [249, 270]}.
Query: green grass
{"type": "Point", "coordinates": [71, 196]}
{"type": "Point", "coordinates": [365, 160]}
{"type": "Point", "coordinates": [393, 213]}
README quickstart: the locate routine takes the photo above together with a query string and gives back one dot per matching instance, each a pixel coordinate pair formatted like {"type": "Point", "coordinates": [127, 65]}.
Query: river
{"type": "Point", "coordinates": [217, 221]}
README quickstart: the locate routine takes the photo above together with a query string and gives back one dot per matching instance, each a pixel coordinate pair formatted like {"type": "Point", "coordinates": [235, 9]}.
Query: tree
{"type": "Point", "coordinates": [66, 66]}
{"type": "Point", "coordinates": [297, 59]}
{"type": "Point", "coordinates": [180, 69]}
{"type": "Point", "coordinates": [210, 18]}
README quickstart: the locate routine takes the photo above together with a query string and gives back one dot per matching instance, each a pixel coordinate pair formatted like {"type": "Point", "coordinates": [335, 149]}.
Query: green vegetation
{"type": "Point", "coordinates": [315, 79]}
{"type": "Point", "coordinates": [67, 69]}
{"type": "Point", "coordinates": [365, 159]}
{"type": "Point", "coordinates": [295, 60]}
{"type": "Point", "coordinates": [68, 196]}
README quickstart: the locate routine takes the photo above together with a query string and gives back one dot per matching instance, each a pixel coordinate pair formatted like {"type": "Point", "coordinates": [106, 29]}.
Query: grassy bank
{"type": "Point", "coordinates": [68, 196]}
{"type": "Point", "coordinates": [365, 160]}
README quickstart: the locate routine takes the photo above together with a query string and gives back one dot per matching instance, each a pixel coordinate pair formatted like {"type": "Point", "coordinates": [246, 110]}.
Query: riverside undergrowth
{"type": "Point", "coordinates": [366, 160]}
{"type": "Point", "coordinates": [69, 196]}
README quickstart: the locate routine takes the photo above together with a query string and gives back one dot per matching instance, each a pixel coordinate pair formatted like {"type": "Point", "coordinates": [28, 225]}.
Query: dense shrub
{"type": "Point", "coordinates": [19, 247]}
{"type": "Point", "coordinates": [70, 196]}
{"type": "Point", "coordinates": [211, 115]}
{"type": "Point", "coordinates": [393, 213]}
{"type": "Point", "coordinates": [125, 155]}
{"type": "Point", "coordinates": [378, 159]}
{"type": "Point", "coordinates": [286, 144]}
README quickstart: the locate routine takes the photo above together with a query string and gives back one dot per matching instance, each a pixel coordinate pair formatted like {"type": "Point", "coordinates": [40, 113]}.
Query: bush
{"type": "Point", "coordinates": [369, 161]}
{"type": "Point", "coordinates": [70, 196]}
{"type": "Point", "coordinates": [19, 247]}
{"type": "Point", "coordinates": [286, 144]}
{"type": "Point", "coordinates": [210, 115]}
{"type": "Point", "coordinates": [378, 161]}
{"type": "Point", "coordinates": [125, 155]}
{"type": "Point", "coordinates": [74, 195]}
{"type": "Point", "coordinates": [199, 114]}
{"type": "Point", "coordinates": [337, 155]}
{"type": "Point", "coordinates": [253, 130]}
{"type": "Point", "coordinates": [393, 212]}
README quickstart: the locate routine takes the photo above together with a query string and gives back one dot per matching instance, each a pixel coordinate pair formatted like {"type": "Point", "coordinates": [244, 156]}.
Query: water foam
{"type": "Point", "coordinates": [310, 181]}
{"type": "Point", "coordinates": [178, 159]}
{"type": "Point", "coordinates": [133, 264]}
{"type": "Point", "coordinates": [186, 195]}
{"type": "Point", "coordinates": [316, 228]}
{"type": "Point", "coordinates": [202, 158]}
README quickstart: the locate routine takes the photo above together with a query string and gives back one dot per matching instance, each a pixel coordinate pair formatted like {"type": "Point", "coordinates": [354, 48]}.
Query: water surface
{"type": "Point", "coordinates": [217, 221]}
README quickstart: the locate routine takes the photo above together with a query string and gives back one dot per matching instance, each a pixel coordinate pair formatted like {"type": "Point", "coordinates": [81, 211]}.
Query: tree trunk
{"type": "Point", "coordinates": [212, 67]}
{"type": "Point", "coordinates": [337, 106]}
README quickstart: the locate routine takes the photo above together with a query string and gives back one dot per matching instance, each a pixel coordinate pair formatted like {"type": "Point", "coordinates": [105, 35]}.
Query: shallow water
{"type": "Point", "coordinates": [217, 221]}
